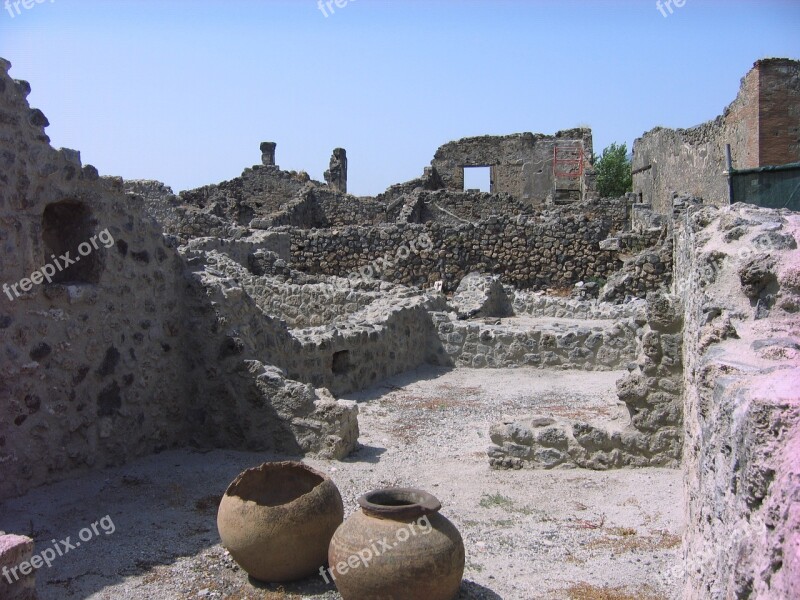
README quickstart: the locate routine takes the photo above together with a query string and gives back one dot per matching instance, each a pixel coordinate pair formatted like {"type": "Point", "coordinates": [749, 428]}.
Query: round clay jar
{"type": "Point", "coordinates": [277, 520]}
{"type": "Point", "coordinates": [397, 547]}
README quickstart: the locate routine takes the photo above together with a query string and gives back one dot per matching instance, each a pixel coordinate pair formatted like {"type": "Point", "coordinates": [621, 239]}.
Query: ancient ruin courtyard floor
{"type": "Point", "coordinates": [572, 534]}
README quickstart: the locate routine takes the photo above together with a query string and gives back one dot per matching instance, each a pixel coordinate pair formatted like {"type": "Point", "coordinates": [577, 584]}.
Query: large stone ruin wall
{"type": "Point", "coordinates": [101, 363]}
{"type": "Point", "coordinates": [761, 126]}
{"type": "Point", "coordinates": [738, 269]}
{"type": "Point", "coordinates": [521, 164]}
{"type": "Point", "coordinates": [87, 375]}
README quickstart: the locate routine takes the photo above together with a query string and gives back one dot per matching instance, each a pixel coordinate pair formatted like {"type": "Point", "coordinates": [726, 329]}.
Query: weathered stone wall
{"type": "Point", "coordinates": [87, 377]}
{"type": "Point", "coordinates": [136, 347]}
{"type": "Point", "coordinates": [521, 164]}
{"type": "Point", "coordinates": [307, 305]}
{"type": "Point", "coordinates": [527, 252]}
{"type": "Point", "coordinates": [14, 551]}
{"type": "Point", "coordinates": [652, 393]}
{"type": "Point", "coordinates": [601, 346]}
{"type": "Point", "coordinates": [739, 271]}
{"type": "Point", "coordinates": [259, 191]}
{"type": "Point", "coordinates": [391, 334]}
{"type": "Point", "coordinates": [344, 209]}
{"type": "Point", "coordinates": [447, 206]}
{"type": "Point", "coordinates": [388, 337]}
{"type": "Point", "coordinates": [761, 126]}
{"type": "Point", "coordinates": [666, 161]}
{"type": "Point", "coordinates": [646, 271]}
{"type": "Point", "coordinates": [537, 304]}
{"type": "Point", "coordinates": [238, 391]}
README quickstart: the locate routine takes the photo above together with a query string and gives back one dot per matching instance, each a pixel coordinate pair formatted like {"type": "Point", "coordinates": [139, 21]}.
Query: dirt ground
{"type": "Point", "coordinates": [562, 534]}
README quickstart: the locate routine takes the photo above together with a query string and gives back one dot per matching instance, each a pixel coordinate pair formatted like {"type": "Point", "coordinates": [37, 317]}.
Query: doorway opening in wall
{"type": "Point", "coordinates": [67, 227]}
{"type": "Point", "coordinates": [478, 178]}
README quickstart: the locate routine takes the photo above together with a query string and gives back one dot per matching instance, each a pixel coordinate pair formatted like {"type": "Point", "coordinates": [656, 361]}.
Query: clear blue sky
{"type": "Point", "coordinates": [185, 91]}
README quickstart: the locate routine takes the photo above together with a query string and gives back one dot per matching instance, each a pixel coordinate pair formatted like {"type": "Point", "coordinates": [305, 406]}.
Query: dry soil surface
{"type": "Point", "coordinates": [572, 534]}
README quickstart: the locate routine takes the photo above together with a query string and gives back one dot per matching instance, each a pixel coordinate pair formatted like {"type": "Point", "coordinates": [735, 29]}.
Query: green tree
{"type": "Point", "coordinates": [613, 171]}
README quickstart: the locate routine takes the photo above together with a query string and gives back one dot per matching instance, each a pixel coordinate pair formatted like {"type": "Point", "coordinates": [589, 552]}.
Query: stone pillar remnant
{"type": "Point", "coordinates": [336, 175]}
{"type": "Point", "coordinates": [268, 154]}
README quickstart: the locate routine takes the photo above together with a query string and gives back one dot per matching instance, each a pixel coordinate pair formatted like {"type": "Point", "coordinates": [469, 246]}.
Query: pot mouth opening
{"type": "Point", "coordinates": [399, 503]}
{"type": "Point", "coordinates": [275, 484]}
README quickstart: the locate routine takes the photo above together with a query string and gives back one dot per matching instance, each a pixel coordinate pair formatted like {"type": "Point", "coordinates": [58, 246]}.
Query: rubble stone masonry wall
{"type": "Point", "coordinates": [738, 270]}
{"type": "Point", "coordinates": [527, 252]}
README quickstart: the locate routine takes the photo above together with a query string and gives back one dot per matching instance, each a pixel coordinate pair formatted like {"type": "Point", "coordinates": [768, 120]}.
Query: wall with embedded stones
{"type": "Point", "coordinates": [538, 304]}
{"type": "Point", "coordinates": [645, 271]}
{"type": "Point", "coordinates": [738, 269]}
{"type": "Point", "coordinates": [521, 164]}
{"type": "Point", "coordinates": [447, 206]}
{"type": "Point", "coordinates": [392, 333]}
{"type": "Point", "coordinates": [259, 191]}
{"type": "Point", "coordinates": [87, 376]}
{"type": "Point", "coordinates": [601, 346]}
{"type": "Point", "coordinates": [651, 393]}
{"type": "Point", "coordinates": [528, 252]}
{"type": "Point", "coordinates": [127, 351]}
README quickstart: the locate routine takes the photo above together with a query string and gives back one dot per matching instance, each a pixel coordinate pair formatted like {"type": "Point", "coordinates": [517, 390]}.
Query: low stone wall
{"type": "Point", "coordinates": [391, 334]}
{"type": "Point", "coordinates": [537, 304]}
{"type": "Point", "coordinates": [307, 305]}
{"type": "Point", "coordinates": [386, 338]}
{"type": "Point", "coordinates": [652, 394]}
{"type": "Point", "coordinates": [241, 396]}
{"type": "Point", "coordinates": [478, 345]}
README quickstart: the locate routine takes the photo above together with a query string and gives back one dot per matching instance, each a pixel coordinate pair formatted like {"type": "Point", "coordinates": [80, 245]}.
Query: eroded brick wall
{"type": "Point", "coordinates": [762, 126]}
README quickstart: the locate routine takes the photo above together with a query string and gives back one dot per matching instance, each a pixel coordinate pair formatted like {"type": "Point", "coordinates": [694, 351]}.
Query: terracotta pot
{"type": "Point", "coordinates": [277, 520]}
{"type": "Point", "coordinates": [397, 547]}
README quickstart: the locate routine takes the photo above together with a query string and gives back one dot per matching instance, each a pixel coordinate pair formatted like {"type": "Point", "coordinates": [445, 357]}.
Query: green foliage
{"type": "Point", "coordinates": [613, 170]}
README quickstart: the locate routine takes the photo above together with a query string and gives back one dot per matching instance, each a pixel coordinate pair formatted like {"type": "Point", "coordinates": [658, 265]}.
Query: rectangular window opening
{"type": "Point", "coordinates": [478, 179]}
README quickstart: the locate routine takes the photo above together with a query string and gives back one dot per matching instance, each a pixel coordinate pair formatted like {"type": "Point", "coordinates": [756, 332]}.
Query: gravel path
{"type": "Point", "coordinates": [569, 534]}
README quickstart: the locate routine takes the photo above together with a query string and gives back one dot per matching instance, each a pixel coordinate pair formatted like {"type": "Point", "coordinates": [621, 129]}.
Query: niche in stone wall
{"type": "Point", "coordinates": [67, 232]}
{"type": "Point", "coordinates": [341, 362]}
{"type": "Point", "coordinates": [478, 178]}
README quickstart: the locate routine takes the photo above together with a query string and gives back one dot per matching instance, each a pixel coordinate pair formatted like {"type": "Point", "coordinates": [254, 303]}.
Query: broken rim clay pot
{"type": "Point", "coordinates": [397, 547]}
{"type": "Point", "coordinates": [277, 520]}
